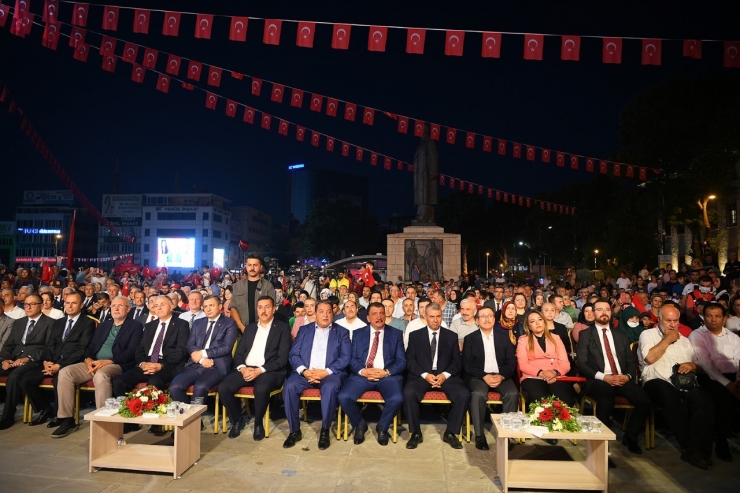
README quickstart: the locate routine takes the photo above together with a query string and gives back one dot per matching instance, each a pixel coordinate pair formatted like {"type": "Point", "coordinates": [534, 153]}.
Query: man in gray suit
{"type": "Point", "coordinates": [6, 326]}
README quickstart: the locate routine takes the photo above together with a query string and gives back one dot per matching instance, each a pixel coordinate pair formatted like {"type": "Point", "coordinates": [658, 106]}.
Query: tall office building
{"type": "Point", "coordinates": [309, 185]}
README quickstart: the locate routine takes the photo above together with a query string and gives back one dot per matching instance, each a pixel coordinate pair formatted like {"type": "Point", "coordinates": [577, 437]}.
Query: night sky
{"type": "Point", "coordinates": [89, 117]}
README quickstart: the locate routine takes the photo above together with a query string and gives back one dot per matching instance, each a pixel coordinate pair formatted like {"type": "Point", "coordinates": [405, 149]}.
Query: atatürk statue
{"type": "Point", "coordinates": [426, 169]}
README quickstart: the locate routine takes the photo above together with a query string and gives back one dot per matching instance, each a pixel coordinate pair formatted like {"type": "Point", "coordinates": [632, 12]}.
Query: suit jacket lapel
{"type": "Point", "coordinates": [270, 334]}
{"type": "Point", "coordinates": [250, 338]}
{"type": "Point", "coordinates": [331, 345]}
{"type": "Point", "coordinates": [387, 353]}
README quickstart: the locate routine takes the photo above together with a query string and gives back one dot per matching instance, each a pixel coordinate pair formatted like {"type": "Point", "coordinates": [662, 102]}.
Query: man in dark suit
{"type": "Point", "coordinates": [378, 361]}
{"type": "Point", "coordinates": [319, 359]}
{"type": "Point", "coordinates": [100, 310]}
{"type": "Point", "coordinates": [434, 363]}
{"type": "Point", "coordinates": [497, 302]}
{"type": "Point", "coordinates": [58, 287]}
{"type": "Point", "coordinates": [605, 359]}
{"type": "Point", "coordinates": [69, 338]}
{"type": "Point", "coordinates": [139, 312]}
{"type": "Point", "coordinates": [261, 361]}
{"type": "Point", "coordinates": [489, 363]}
{"type": "Point", "coordinates": [22, 353]}
{"type": "Point", "coordinates": [110, 353]}
{"type": "Point", "coordinates": [209, 346]}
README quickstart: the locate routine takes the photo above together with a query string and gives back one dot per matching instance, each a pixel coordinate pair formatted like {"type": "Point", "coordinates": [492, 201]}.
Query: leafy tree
{"type": "Point", "coordinates": [335, 229]}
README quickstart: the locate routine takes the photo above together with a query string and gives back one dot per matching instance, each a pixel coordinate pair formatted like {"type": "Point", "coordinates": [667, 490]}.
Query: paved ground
{"type": "Point", "coordinates": [30, 461]}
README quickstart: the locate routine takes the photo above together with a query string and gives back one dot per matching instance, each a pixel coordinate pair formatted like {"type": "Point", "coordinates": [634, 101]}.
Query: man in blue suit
{"type": "Point", "coordinates": [378, 361]}
{"type": "Point", "coordinates": [319, 357]}
{"type": "Point", "coordinates": [209, 346]}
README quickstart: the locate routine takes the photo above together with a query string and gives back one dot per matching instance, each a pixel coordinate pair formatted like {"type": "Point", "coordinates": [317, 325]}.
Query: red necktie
{"type": "Point", "coordinates": [609, 355]}
{"type": "Point", "coordinates": [373, 350]}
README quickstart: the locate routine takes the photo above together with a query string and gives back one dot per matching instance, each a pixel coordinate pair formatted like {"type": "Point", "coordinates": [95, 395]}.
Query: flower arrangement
{"type": "Point", "coordinates": [148, 399]}
{"type": "Point", "coordinates": [555, 414]}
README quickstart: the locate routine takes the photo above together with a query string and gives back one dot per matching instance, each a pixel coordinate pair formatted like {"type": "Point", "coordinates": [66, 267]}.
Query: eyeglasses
{"type": "Point", "coordinates": [30, 305]}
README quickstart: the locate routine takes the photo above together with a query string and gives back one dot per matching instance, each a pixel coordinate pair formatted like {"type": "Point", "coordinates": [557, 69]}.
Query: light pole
{"type": "Point", "coordinates": [705, 217]}
{"type": "Point", "coordinates": [56, 245]}
{"type": "Point", "coordinates": [487, 254]}
{"type": "Point", "coordinates": [596, 252]}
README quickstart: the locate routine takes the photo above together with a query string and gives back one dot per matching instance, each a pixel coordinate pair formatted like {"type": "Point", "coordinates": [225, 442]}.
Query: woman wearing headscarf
{"type": "Point", "coordinates": [520, 302]}
{"type": "Point", "coordinates": [629, 323]}
{"type": "Point", "coordinates": [585, 319]}
{"type": "Point", "coordinates": [537, 301]}
{"type": "Point", "coordinates": [507, 323]}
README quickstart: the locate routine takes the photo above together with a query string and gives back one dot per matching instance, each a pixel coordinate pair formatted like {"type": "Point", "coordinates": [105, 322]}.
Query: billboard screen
{"type": "Point", "coordinates": [176, 252]}
{"type": "Point", "coordinates": [218, 257]}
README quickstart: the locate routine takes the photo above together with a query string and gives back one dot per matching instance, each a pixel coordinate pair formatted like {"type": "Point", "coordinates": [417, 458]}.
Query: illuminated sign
{"type": "Point", "coordinates": [37, 231]}
{"type": "Point", "coordinates": [296, 166]}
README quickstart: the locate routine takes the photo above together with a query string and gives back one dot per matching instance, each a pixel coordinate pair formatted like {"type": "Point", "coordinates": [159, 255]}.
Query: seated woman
{"type": "Point", "coordinates": [585, 319]}
{"type": "Point", "coordinates": [507, 323]}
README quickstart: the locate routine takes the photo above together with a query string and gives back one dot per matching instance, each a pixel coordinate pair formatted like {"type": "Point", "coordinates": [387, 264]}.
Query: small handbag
{"type": "Point", "coordinates": [684, 382]}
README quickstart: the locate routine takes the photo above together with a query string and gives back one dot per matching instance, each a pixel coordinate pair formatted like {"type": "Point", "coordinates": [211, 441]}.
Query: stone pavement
{"type": "Point", "coordinates": [30, 461]}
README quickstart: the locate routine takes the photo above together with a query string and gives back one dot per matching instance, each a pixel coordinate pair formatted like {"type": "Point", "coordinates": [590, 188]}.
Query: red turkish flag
{"type": "Point", "coordinates": [305, 33]}
{"type": "Point", "coordinates": [612, 50]}
{"type": "Point", "coordinates": [173, 65]}
{"type": "Point", "coordinates": [137, 73]}
{"type": "Point", "coordinates": [4, 12]}
{"type": "Point", "coordinates": [651, 51]}
{"type": "Point", "coordinates": [238, 29]}
{"type": "Point", "coordinates": [79, 16]}
{"type": "Point", "coordinates": [109, 63]}
{"type": "Point", "coordinates": [345, 149]}
{"type": "Point", "coordinates": [490, 193]}
{"type": "Point", "coordinates": [300, 133]}
{"type": "Point", "coordinates": [271, 36]}
{"type": "Point", "coordinates": [211, 100]}
{"type": "Point", "coordinates": [368, 116]}
{"type": "Point", "coordinates": [376, 38]}
{"type": "Point", "coordinates": [602, 167]}
{"type": "Point", "coordinates": [470, 187]}
{"type": "Point", "coordinates": [506, 197]}
{"type": "Point", "coordinates": [214, 76]}
{"type": "Point", "coordinates": [76, 36]}
{"type": "Point", "coordinates": [442, 180]}
{"type": "Point", "coordinates": [374, 158]}
{"type": "Point", "coordinates": [187, 87]}
{"type": "Point", "coordinates": [589, 164]}
{"type": "Point", "coordinates": [81, 52]}
{"type": "Point", "coordinates": [110, 18]}
{"type": "Point", "coordinates": [194, 70]}
{"type": "Point", "coordinates": [340, 37]}
{"type": "Point", "coordinates": [560, 159]}
{"type": "Point", "coordinates": [296, 98]}
{"type": "Point", "coordinates": [434, 131]}
{"type": "Point", "coordinates": [573, 161]}
{"type": "Point", "coordinates": [451, 133]}
{"type": "Point", "coordinates": [533, 44]}
{"type": "Point", "coordinates": [350, 110]}
{"type": "Point", "coordinates": [277, 93]}
{"type": "Point", "coordinates": [231, 108]}
{"type": "Point", "coordinates": [203, 26]}
{"type": "Point", "coordinates": [51, 9]}
{"type": "Point", "coordinates": [530, 153]}
{"type": "Point", "coordinates": [692, 48]}
{"type": "Point", "coordinates": [237, 75]}
{"type": "Point", "coordinates": [283, 128]}
{"type": "Point", "coordinates": [630, 171]}
{"type": "Point", "coordinates": [491, 45]}
{"type": "Point", "coordinates": [358, 154]}
{"type": "Point", "coordinates": [549, 207]}
{"type": "Point", "coordinates": [266, 121]}
{"type": "Point", "coordinates": [387, 164]}
{"type": "Point", "coordinates": [731, 52]}
{"type": "Point", "coordinates": [130, 51]}
{"type": "Point", "coordinates": [163, 83]}
{"type": "Point", "coordinates": [516, 150]}
{"type": "Point", "coordinates": [315, 138]}
{"type": "Point", "coordinates": [498, 195]}
{"type": "Point", "coordinates": [452, 182]}
{"type": "Point", "coordinates": [513, 199]}
{"type": "Point", "coordinates": [50, 38]}
{"type": "Point", "coordinates": [249, 114]}
{"type": "Point", "coordinates": [150, 58]}
{"type": "Point", "coordinates": [487, 143]}
{"type": "Point", "coordinates": [480, 190]}
{"type": "Point", "coordinates": [331, 106]}
{"type": "Point", "coordinates": [545, 155]}
{"type": "Point", "coordinates": [330, 144]}
{"type": "Point", "coordinates": [470, 140]}
{"type": "Point", "coordinates": [502, 147]}
{"type": "Point", "coordinates": [171, 24]}
{"type": "Point", "coordinates": [570, 48]}
{"type": "Point", "coordinates": [642, 174]}
{"type": "Point", "coordinates": [141, 21]}
{"type": "Point", "coordinates": [256, 86]}
{"type": "Point", "coordinates": [617, 169]}
{"type": "Point", "coordinates": [418, 128]}
{"type": "Point", "coordinates": [403, 124]}
{"type": "Point", "coordinates": [529, 202]}
{"type": "Point", "coordinates": [415, 41]}
{"type": "Point", "coordinates": [454, 41]}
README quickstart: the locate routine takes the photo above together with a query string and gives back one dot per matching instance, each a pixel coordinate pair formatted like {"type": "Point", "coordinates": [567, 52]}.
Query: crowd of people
{"type": "Point", "coordinates": [664, 339]}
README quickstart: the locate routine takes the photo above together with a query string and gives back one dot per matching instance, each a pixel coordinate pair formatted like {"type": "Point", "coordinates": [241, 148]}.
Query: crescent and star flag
{"type": "Point", "coordinates": [331, 106]}
{"type": "Point", "coordinates": [490, 193]}
{"type": "Point", "coordinates": [530, 153]}
{"type": "Point", "coordinates": [630, 171]}
{"type": "Point", "coordinates": [211, 100]}
{"type": "Point", "coordinates": [330, 144]}
{"type": "Point", "coordinates": [442, 180]}
{"type": "Point", "coordinates": [271, 36]}
{"type": "Point", "coordinates": [590, 164]}
{"type": "Point", "coordinates": [410, 167]}
{"type": "Point", "coordinates": [266, 121]}
{"type": "Point", "coordinates": [238, 29]}
{"type": "Point", "coordinates": [612, 50]}
{"type": "Point", "coordinates": [137, 73]}
{"type": "Point", "coordinates": [350, 110]}
{"type": "Point", "coordinates": [237, 75]}
{"type": "Point", "coordinates": [452, 182]}
{"type": "Point", "coordinates": [573, 161]}
{"type": "Point", "coordinates": [300, 132]}
{"type": "Point", "coordinates": [560, 159]}
{"type": "Point", "coordinates": [231, 108]}
{"type": "Point", "coordinates": [368, 117]}
{"type": "Point", "coordinates": [470, 140]}
{"type": "Point", "coordinates": [51, 9]}
{"type": "Point", "coordinates": [188, 87]}
{"type": "Point", "coordinates": [345, 149]}
{"type": "Point", "coordinates": [570, 48]}
{"type": "Point", "coordinates": [141, 21]}
{"type": "Point", "coordinates": [545, 155]}
{"type": "Point", "coordinates": [434, 131]}
{"type": "Point", "coordinates": [296, 98]}
{"type": "Point", "coordinates": [359, 153]}
{"type": "Point", "coordinates": [277, 93]}
{"type": "Point", "coordinates": [403, 124]}
{"type": "Point", "coordinates": [376, 38]}
{"type": "Point", "coordinates": [387, 164]}
{"type": "Point", "coordinates": [214, 77]}
{"type": "Point", "coordinates": [130, 51]}
{"type": "Point", "coordinates": [203, 26]}
{"type": "Point", "coordinates": [194, 70]}
{"type": "Point", "coordinates": [374, 158]}
{"type": "Point", "coordinates": [79, 15]}
{"type": "Point", "coordinates": [516, 150]}
{"type": "Point", "coordinates": [150, 58]}
{"type": "Point", "coordinates": [76, 36]}
{"type": "Point", "coordinates": [491, 47]}
{"type": "Point", "coordinates": [415, 41]}
{"type": "Point", "coordinates": [480, 189]}
{"type": "Point", "coordinates": [692, 48]}
{"type": "Point", "coordinates": [498, 195]}
{"type": "Point", "coordinates": [731, 52]}
{"type": "Point", "coordinates": [651, 49]}
{"type": "Point", "coordinates": [487, 143]}
{"type": "Point", "coordinates": [81, 52]}
{"type": "Point", "coordinates": [529, 202]}
{"type": "Point", "coordinates": [506, 197]}
{"type": "Point", "coordinates": [502, 147]}
{"type": "Point", "coordinates": [533, 44]}
{"type": "Point", "coordinates": [283, 128]}
{"type": "Point", "coordinates": [171, 25]}
{"type": "Point", "coordinates": [248, 114]}
{"type": "Point", "coordinates": [418, 128]}
{"type": "Point", "coordinates": [399, 165]}
{"type": "Point", "coordinates": [617, 169]}
{"type": "Point", "coordinates": [256, 86]}
{"type": "Point", "coordinates": [340, 37]}
{"type": "Point", "coordinates": [470, 187]}
{"type": "Point", "coordinates": [109, 63]}
{"type": "Point", "coordinates": [454, 43]}
{"type": "Point", "coordinates": [304, 36]}
{"type": "Point", "coordinates": [315, 138]}
{"type": "Point", "coordinates": [451, 133]}
{"type": "Point", "coordinates": [513, 199]}
{"type": "Point", "coordinates": [316, 102]}
{"type": "Point", "coordinates": [50, 38]}
{"type": "Point", "coordinates": [173, 65]}
{"type": "Point", "coordinates": [602, 167]}
{"type": "Point", "coordinates": [4, 9]}
{"type": "Point", "coordinates": [163, 83]}
{"type": "Point", "coordinates": [110, 18]}
{"type": "Point", "coordinates": [643, 174]}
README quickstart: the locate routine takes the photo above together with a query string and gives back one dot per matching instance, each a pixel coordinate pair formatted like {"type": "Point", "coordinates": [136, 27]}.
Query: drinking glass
{"type": "Point", "coordinates": [171, 410]}
{"type": "Point", "coordinates": [595, 426]}
{"type": "Point", "coordinates": [526, 420]}
{"type": "Point", "coordinates": [110, 403]}
{"type": "Point", "coordinates": [506, 421]}
{"type": "Point", "coordinates": [516, 423]}
{"type": "Point", "coordinates": [196, 401]}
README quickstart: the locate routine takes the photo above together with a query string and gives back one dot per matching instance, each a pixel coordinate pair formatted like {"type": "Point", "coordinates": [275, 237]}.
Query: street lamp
{"type": "Point", "coordinates": [487, 254]}
{"type": "Point", "coordinates": [596, 252]}
{"type": "Point", "coordinates": [56, 245]}
{"type": "Point", "coordinates": [705, 217]}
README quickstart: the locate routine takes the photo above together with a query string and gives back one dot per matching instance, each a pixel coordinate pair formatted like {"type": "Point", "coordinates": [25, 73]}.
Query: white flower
{"type": "Point", "coordinates": [538, 410]}
{"type": "Point", "coordinates": [546, 405]}
{"type": "Point", "coordinates": [143, 398]}
{"type": "Point", "coordinates": [557, 425]}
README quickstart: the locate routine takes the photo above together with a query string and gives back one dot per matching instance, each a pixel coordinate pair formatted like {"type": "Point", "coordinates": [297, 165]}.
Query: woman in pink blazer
{"type": "Point", "coordinates": [542, 358]}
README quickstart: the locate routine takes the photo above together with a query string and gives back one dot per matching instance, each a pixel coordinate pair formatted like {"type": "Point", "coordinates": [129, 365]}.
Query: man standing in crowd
{"type": "Point", "coordinates": [449, 309]}
{"type": "Point", "coordinates": [247, 291]}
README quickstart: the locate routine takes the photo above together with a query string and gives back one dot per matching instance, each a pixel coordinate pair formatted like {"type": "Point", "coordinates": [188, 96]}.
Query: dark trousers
{"type": "Point", "coordinates": [13, 390]}
{"type": "Point", "coordinates": [263, 385]}
{"type": "Point", "coordinates": [202, 380]}
{"type": "Point", "coordinates": [536, 389]}
{"type": "Point", "coordinates": [604, 395]}
{"type": "Point", "coordinates": [455, 390]}
{"type": "Point", "coordinates": [479, 395]}
{"type": "Point", "coordinates": [724, 404]}
{"type": "Point", "coordinates": [127, 381]}
{"type": "Point", "coordinates": [390, 388]}
{"type": "Point", "coordinates": [692, 421]}
{"type": "Point", "coordinates": [30, 386]}
{"type": "Point", "coordinates": [329, 387]}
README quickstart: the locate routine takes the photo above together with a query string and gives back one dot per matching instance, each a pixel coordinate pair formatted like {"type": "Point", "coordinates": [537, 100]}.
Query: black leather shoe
{"type": "Point", "coordinates": [451, 438]}
{"type": "Point", "coordinates": [481, 443]}
{"type": "Point", "coordinates": [294, 437]}
{"type": "Point", "coordinates": [383, 436]}
{"type": "Point", "coordinates": [722, 449]}
{"type": "Point", "coordinates": [259, 432]}
{"type": "Point", "coordinates": [67, 427]}
{"type": "Point", "coordinates": [6, 423]}
{"type": "Point", "coordinates": [360, 432]}
{"type": "Point", "coordinates": [414, 440]}
{"type": "Point", "coordinates": [236, 429]}
{"type": "Point", "coordinates": [130, 428]}
{"type": "Point", "coordinates": [54, 422]}
{"type": "Point", "coordinates": [631, 445]}
{"type": "Point", "coordinates": [43, 416]}
{"type": "Point", "coordinates": [324, 440]}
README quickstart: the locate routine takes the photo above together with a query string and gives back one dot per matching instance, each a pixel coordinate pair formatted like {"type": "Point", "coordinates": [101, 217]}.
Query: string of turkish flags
{"type": "Point", "coordinates": [40, 144]}
{"type": "Point", "coordinates": [278, 90]}
{"type": "Point", "coordinates": [490, 41]}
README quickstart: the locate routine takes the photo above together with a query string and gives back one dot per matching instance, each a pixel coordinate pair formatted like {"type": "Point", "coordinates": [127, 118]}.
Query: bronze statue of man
{"type": "Point", "coordinates": [426, 169]}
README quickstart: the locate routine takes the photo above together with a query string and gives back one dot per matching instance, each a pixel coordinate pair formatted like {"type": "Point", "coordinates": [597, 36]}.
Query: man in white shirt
{"type": "Point", "coordinates": [195, 312]}
{"type": "Point", "coordinates": [419, 323]}
{"type": "Point", "coordinates": [466, 323]}
{"type": "Point", "coordinates": [623, 282]}
{"type": "Point", "coordinates": [562, 316]}
{"type": "Point", "coordinates": [718, 352]}
{"type": "Point", "coordinates": [733, 322]}
{"type": "Point", "coordinates": [350, 320]}
{"type": "Point", "coordinates": [11, 310]}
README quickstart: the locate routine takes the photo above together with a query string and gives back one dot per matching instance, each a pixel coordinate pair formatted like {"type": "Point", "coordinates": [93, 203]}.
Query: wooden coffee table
{"type": "Point", "coordinates": [105, 453]}
{"type": "Point", "coordinates": [591, 474]}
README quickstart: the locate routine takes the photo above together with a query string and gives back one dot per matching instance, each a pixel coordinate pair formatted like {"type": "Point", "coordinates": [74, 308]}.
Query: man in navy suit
{"type": "Point", "coordinates": [319, 357]}
{"type": "Point", "coordinates": [378, 361]}
{"type": "Point", "coordinates": [211, 341]}
{"type": "Point", "coordinates": [261, 362]}
{"type": "Point", "coordinates": [139, 312]}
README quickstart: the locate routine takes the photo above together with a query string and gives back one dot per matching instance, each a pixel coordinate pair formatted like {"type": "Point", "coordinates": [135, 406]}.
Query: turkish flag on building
{"type": "Point", "coordinates": [256, 86]}
{"type": "Point", "coordinates": [203, 26]}
{"type": "Point", "coordinates": [277, 93]}
{"type": "Point", "coordinates": [731, 52]}
{"type": "Point", "coordinates": [415, 41]}
{"type": "Point", "coordinates": [316, 102]}
{"type": "Point", "coordinates": [454, 43]}
{"type": "Point", "coordinates": [81, 52]}
{"type": "Point", "coordinates": [110, 18]}
{"type": "Point", "coordinates": [163, 83]}
{"type": "Point", "coordinates": [141, 21]}
{"type": "Point", "coordinates": [491, 47]}
{"type": "Point", "coordinates": [358, 154]}
{"type": "Point", "coordinates": [130, 51]}
{"type": "Point", "coordinates": [4, 9]}
{"type": "Point", "coordinates": [589, 164]}
{"type": "Point", "coordinates": [211, 100]}
{"type": "Point", "coordinates": [271, 36]}
{"type": "Point", "coordinates": [516, 150]}
{"type": "Point", "coordinates": [315, 138]}
{"type": "Point", "coordinates": [374, 158]}
{"type": "Point", "coordinates": [603, 167]}
{"type": "Point", "coordinates": [442, 180]}
{"type": "Point", "coordinates": [171, 24]}
{"type": "Point", "coordinates": [237, 75]}
{"type": "Point", "coordinates": [692, 48]}
{"type": "Point", "coordinates": [150, 58]}
{"type": "Point", "coordinates": [305, 33]}
{"type": "Point", "coordinates": [79, 17]}
{"type": "Point", "coordinates": [487, 143]}
{"type": "Point", "coordinates": [480, 189]}
{"type": "Point", "coordinates": [368, 117]}
{"type": "Point", "coordinates": [630, 171]}
{"type": "Point", "coordinates": [533, 44]}
{"type": "Point", "coordinates": [249, 114]}
{"type": "Point", "coordinates": [283, 127]}
{"type": "Point", "coordinates": [573, 161]}
{"type": "Point", "coordinates": [340, 36]}
{"type": "Point", "coordinates": [50, 38]}
{"type": "Point", "coordinates": [651, 51]}
{"type": "Point", "coordinates": [434, 131]}
{"type": "Point", "coordinates": [470, 140]}
{"type": "Point", "coordinates": [642, 174]}
{"type": "Point", "coordinates": [418, 128]}
{"type": "Point", "coordinates": [490, 193]}
{"type": "Point", "coordinates": [51, 11]}
{"type": "Point", "coordinates": [296, 98]}
{"type": "Point", "coordinates": [470, 187]}
{"type": "Point", "coordinates": [399, 165]}
{"type": "Point", "coordinates": [502, 147]}
{"type": "Point", "coordinates": [214, 76]}
{"type": "Point", "coordinates": [238, 29]}
{"type": "Point", "coordinates": [345, 149]}
{"type": "Point", "coordinates": [452, 182]}
{"type": "Point", "coordinates": [529, 202]}
{"type": "Point", "coordinates": [545, 155]}
{"type": "Point", "coordinates": [387, 164]}
{"type": "Point", "coordinates": [300, 133]}
{"type": "Point", "coordinates": [560, 159]}
{"type": "Point", "coordinates": [617, 169]}
{"type": "Point", "coordinates": [570, 48]}
{"type": "Point", "coordinates": [403, 124]}
{"type": "Point", "coordinates": [350, 110]}
{"type": "Point", "coordinates": [137, 73]}
{"type": "Point", "coordinates": [266, 121]}
{"type": "Point", "coordinates": [530, 153]}
{"type": "Point", "coordinates": [231, 108]}
{"type": "Point", "coordinates": [109, 63]}
{"type": "Point", "coordinates": [513, 198]}
{"type": "Point", "coordinates": [376, 38]}
{"type": "Point", "coordinates": [173, 65]}
{"type": "Point", "coordinates": [194, 70]}
{"type": "Point", "coordinates": [451, 133]}
{"type": "Point", "coordinates": [506, 197]}
{"type": "Point", "coordinates": [77, 36]}
{"type": "Point", "coordinates": [612, 50]}
{"type": "Point", "coordinates": [331, 106]}
{"type": "Point", "coordinates": [330, 144]}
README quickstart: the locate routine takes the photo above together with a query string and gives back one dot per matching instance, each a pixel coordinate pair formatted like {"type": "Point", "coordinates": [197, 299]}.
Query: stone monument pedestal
{"type": "Point", "coordinates": [434, 250]}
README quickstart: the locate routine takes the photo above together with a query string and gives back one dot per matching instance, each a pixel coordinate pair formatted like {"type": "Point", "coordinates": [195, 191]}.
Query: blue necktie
{"type": "Point", "coordinates": [29, 329]}
{"type": "Point", "coordinates": [66, 332]}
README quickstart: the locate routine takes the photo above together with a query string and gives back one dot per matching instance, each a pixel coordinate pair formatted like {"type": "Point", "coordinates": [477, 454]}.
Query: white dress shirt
{"type": "Point", "coordinates": [351, 327]}
{"type": "Point", "coordinates": [680, 351]}
{"type": "Point", "coordinates": [256, 356]}
{"type": "Point", "coordinates": [188, 316]}
{"type": "Point", "coordinates": [156, 334]}
{"type": "Point", "coordinates": [204, 353]}
{"type": "Point", "coordinates": [55, 313]}
{"type": "Point", "coordinates": [378, 362]}
{"type": "Point", "coordinates": [431, 333]}
{"type": "Point", "coordinates": [717, 354]}
{"type": "Point", "coordinates": [733, 323]}
{"type": "Point", "coordinates": [489, 348]}
{"type": "Point", "coordinates": [319, 348]}
{"type": "Point", "coordinates": [16, 313]}
{"type": "Point", "coordinates": [415, 324]}
{"type": "Point", "coordinates": [607, 368]}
